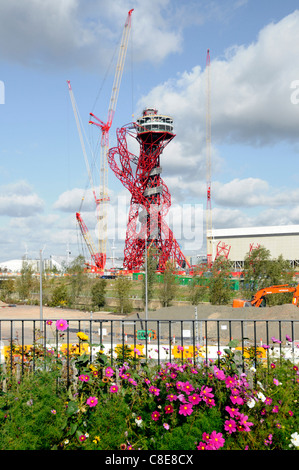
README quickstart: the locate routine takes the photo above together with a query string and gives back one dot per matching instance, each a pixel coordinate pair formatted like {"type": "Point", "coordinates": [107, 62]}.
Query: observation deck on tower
{"type": "Point", "coordinates": [154, 123]}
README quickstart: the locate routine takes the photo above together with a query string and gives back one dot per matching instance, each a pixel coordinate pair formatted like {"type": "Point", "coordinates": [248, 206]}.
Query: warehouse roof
{"type": "Point", "coordinates": [256, 231]}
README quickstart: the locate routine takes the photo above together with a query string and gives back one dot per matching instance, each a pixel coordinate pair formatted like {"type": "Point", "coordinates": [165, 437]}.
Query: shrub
{"type": "Point", "coordinates": [149, 406]}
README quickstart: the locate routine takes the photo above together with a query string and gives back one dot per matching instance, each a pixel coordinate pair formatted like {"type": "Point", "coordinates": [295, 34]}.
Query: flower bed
{"type": "Point", "coordinates": [135, 405]}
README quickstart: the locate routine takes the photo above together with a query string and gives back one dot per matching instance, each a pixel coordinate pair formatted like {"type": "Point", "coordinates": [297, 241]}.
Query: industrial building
{"type": "Point", "coordinates": [236, 243]}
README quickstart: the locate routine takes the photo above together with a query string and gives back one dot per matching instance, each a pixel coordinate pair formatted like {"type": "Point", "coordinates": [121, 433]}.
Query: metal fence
{"type": "Point", "coordinates": [158, 340]}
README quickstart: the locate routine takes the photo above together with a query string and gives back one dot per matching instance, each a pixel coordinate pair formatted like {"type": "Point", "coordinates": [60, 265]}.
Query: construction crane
{"type": "Point", "coordinates": [102, 201]}
{"type": "Point", "coordinates": [208, 163]}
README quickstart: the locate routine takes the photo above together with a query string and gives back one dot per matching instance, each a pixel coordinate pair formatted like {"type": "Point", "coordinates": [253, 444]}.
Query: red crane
{"type": "Point", "coordinates": [98, 257]}
{"type": "Point", "coordinates": [102, 201]}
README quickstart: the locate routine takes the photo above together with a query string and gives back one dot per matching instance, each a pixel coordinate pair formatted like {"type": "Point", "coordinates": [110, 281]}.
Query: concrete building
{"type": "Point", "coordinates": [237, 242]}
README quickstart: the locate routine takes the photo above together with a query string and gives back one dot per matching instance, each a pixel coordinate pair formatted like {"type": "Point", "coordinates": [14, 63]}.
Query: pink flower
{"type": "Point", "coordinates": [132, 381]}
{"type": "Point", "coordinates": [92, 401]}
{"type": "Point", "coordinates": [182, 398]}
{"type": "Point", "coordinates": [186, 409]}
{"type": "Point", "coordinates": [49, 322]}
{"type": "Point", "coordinates": [216, 440]}
{"type": "Point", "coordinates": [268, 401]}
{"type": "Point", "coordinates": [188, 388]}
{"type": "Point", "coordinates": [53, 412]}
{"type": "Point", "coordinates": [236, 399]}
{"type": "Point", "coordinates": [243, 421]}
{"type": "Point", "coordinates": [275, 409]}
{"type": "Point", "coordinates": [84, 378]}
{"type": "Point", "coordinates": [232, 411]}
{"type": "Point", "coordinates": [154, 391]}
{"type": "Point", "coordinates": [114, 388]}
{"type": "Point", "coordinates": [82, 438]}
{"type": "Point", "coordinates": [166, 426]}
{"type": "Point", "coordinates": [179, 385]}
{"type": "Point", "coordinates": [230, 425]}
{"type": "Point", "coordinates": [230, 382]}
{"type": "Point", "coordinates": [195, 399]}
{"type": "Point", "coordinates": [109, 372]}
{"type": "Point", "coordinates": [210, 401]}
{"type": "Point", "coordinates": [155, 415]}
{"type": "Point", "coordinates": [206, 392]}
{"type": "Point", "coordinates": [219, 373]}
{"type": "Point", "coordinates": [61, 325]}
{"type": "Point", "coordinates": [171, 397]}
{"type": "Point", "coordinates": [201, 446]}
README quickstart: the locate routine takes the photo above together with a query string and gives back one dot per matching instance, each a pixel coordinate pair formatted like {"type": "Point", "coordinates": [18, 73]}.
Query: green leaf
{"type": "Point", "coordinates": [72, 408]}
{"type": "Point", "coordinates": [73, 428]}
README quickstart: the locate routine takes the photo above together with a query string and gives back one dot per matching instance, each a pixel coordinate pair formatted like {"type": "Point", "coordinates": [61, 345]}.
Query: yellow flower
{"type": "Point", "coordinates": [82, 336]}
{"type": "Point", "coordinates": [96, 439]}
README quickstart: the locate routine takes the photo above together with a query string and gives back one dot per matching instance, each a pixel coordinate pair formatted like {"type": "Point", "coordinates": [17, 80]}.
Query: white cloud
{"type": "Point", "coordinates": [43, 33]}
{"type": "Point", "coordinates": [71, 200]}
{"type": "Point", "coordinates": [19, 200]}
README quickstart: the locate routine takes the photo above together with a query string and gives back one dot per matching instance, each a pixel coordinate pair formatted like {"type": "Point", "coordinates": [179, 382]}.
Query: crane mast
{"type": "Point", "coordinates": [103, 200]}
{"type": "Point", "coordinates": [208, 163]}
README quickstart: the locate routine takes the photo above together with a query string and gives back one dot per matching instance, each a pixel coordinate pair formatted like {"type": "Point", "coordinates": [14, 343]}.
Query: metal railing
{"type": "Point", "coordinates": [21, 341]}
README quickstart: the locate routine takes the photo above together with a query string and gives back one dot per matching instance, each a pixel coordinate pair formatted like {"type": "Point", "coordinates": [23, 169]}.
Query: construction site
{"type": "Point", "coordinates": [150, 200]}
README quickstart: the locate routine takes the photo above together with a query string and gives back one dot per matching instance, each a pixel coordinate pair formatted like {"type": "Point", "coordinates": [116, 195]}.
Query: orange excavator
{"type": "Point", "coordinates": [259, 297]}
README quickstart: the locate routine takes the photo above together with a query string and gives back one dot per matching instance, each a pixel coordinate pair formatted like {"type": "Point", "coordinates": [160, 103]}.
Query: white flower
{"type": "Point", "coordinates": [138, 421]}
{"type": "Point", "coordinates": [251, 403]}
{"type": "Point", "coordinates": [261, 396]}
{"type": "Point", "coordinates": [260, 385]}
{"type": "Point", "coordinates": [295, 439]}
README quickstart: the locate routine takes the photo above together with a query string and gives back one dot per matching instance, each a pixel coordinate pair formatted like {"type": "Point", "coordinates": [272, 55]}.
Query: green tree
{"type": "Point", "coordinates": [98, 292]}
{"type": "Point", "coordinates": [123, 286]}
{"type": "Point", "coordinates": [26, 282]}
{"type": "Point", "coordinates": [167, 290]}
{"type": "Point", "coordinates": [220, 292]}
{"type": "Point", "coordinates": [261, 271]}
{"type": "Point", "coordinates": [60, 296]}
{"type": "Point", "coordinates": [256, 269]}
{"type": "Point", "coordinates": [196, 291]}
{"type": "Point", "coordinates": [78, 277]}
{"type": "Point", "coordinates": [7, 289]}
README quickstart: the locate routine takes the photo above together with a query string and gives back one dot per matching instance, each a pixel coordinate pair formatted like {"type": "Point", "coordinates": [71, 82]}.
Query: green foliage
{"type": "Point", "coordinates": [220, 292]}
{"type": "Point", "coordinates": [123, 286]}
{"type": "Point", "coordinates": [197, 293]}
{"type": "Point", "coordinates": [78, 277]}
{"type": "Point", "coordinates": [167, 290]}
{"type": "Point", "coordinates": [261, 271]}
{"type": "Point", "coordinates": [27, 416]}
{"type": "Point", "coordinates": [143, 406]}
{"type": "Point", "coordinates": [60, 296]}
{"type": "Point", "coordinates": [7, 287]}
{"type": "Point", "coordinates": [26, 282]}
{"type": "Point", "coordinates": [98, 292]}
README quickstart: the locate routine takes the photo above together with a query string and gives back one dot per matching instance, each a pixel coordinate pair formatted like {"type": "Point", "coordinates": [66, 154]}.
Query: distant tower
{"type": "Point", "coordinates": [150, 198]}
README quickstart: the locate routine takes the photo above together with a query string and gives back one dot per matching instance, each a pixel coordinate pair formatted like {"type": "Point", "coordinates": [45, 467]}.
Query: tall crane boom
{"type": "Point", "coordinates": [208, 163]}
{"type": "Point", "coordinates": [102, 201]}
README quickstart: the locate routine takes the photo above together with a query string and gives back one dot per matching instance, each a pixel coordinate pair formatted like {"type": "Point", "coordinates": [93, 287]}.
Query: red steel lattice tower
{"type": "Point", "coordinates": [150, 197]}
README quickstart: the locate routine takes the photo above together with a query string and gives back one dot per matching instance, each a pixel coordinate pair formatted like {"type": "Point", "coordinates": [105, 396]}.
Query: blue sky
{"type": "Point", "coordinates": [254, 62]}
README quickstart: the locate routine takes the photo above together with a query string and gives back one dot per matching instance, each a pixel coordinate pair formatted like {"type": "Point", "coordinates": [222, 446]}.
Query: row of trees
{"type": "Point", "coordinates": [259, 271]}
